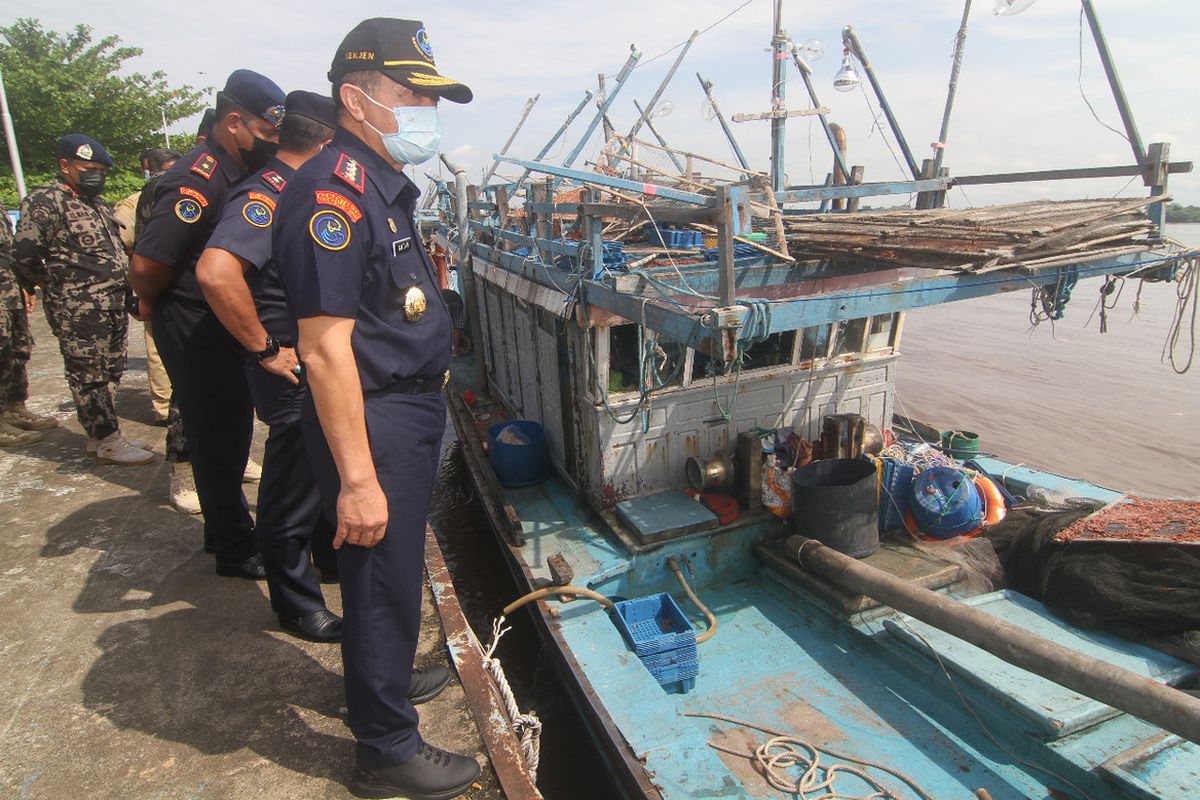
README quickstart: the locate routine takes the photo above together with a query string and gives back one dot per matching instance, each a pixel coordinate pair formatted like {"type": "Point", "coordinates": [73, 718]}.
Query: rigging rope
{"type": "Point", "coordinates": [527, 727]}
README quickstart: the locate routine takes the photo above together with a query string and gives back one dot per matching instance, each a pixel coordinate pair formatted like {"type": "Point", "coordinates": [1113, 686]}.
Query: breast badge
{"type": "Point", "coordinates": [414, 304]}
{"type": "Point", "coordinates": [329, 229]}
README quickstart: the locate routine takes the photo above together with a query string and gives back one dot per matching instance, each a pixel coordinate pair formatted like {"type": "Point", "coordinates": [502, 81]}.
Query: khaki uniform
{"type": "Point", "coordinates": [126, 213]}
{"type": "Point", "coordinates": [16, 343]}
{"type": "Point", "coordinates": [70, 245]}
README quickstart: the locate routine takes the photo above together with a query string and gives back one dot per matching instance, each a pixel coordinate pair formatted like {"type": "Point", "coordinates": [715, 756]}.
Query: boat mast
{"type": "Point", "coordinates": [779, 52]}
{"type": "Point", "coordinates": [10, 136]}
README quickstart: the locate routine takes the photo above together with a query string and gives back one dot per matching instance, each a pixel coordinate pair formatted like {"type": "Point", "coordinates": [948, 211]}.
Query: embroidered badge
{"type": "Point", "coordinates": [204, 166]}
{"type": "Point", "coordinates": [421, 40]}
{"type": "Point", "coordinates": [273, 115]}
{"type": "Point", "coordinates": [341, 202]}
{"type": "Point", "coordinates": [351, 172]}
{"type": "Point", "coordinates": [262, 198]}
{"type": "Point", "coordinates": [257, 214]}
{"type": "Point", "coordinates": [329, 229]}
{"type": "Point", "coordinates": [188, 210]}
{"type": "Point", "coordinates": [84, 151]}
{"type": "Point", "coordinates": [195, 195]}
{"type": "Point", "coordinates": [401, 246]}
{"type": "Point", "coordinates": [274, 180]}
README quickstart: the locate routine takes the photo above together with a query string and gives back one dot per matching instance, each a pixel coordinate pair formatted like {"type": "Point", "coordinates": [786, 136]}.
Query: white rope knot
{"type": "Point", "coordinates": [527, 727]}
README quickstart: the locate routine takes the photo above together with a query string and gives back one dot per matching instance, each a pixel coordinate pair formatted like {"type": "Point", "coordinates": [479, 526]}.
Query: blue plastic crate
{"type": "Point", "coordinates": [653, 624]}
{"type": "Point", "coordinates": [677, 239]}
{"type": "Point", "coordinates": [893, 493]}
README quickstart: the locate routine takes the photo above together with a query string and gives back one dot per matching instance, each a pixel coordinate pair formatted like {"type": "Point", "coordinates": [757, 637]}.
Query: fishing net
{"type": "Point", "coordinates": [1139, 591]}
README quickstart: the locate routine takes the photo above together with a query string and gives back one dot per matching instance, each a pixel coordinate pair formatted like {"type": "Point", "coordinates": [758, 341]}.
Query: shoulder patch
{"type": "Point", "coordinates": [351, 172]}
{"type": "Point", "coordinates": [274, 180]}
{"type": "Point", "coordinates": [205, 166]}
{"type": "Point", "coordinates": [258, 211]}
{"type": "Point", "coordinates": [340, 202]}
{"type": "Point", "coordinates": [195, 195]}
{"type": "Point", "coordinates": [329, 229]}
{"type": "Point", "coordinates": [188, 210]}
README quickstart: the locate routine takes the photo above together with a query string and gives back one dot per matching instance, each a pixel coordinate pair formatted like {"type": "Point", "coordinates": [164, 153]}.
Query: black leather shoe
{"type": "Point", "coordinates": [320, 626]}
{"type": "Point", "coordinates": [427, 683]}
{"type": "Point", "coordinates": [432, 774]}
{"type": "Point", "coordinates": [251, 568]}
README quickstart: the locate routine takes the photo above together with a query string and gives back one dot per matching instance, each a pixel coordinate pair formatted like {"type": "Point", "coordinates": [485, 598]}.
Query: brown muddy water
{"type": "Point", "coordinates": [1066, 398]}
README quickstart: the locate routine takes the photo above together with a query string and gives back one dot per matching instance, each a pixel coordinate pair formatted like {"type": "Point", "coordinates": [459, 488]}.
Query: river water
{"type": "Point", "coordinates": [1064, 398]}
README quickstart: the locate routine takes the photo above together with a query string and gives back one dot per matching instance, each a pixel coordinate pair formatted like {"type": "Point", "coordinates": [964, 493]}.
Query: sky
{"type": "Point", "coordinates": [1019, 103]}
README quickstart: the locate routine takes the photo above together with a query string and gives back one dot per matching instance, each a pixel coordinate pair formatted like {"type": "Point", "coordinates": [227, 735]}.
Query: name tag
{"type": "Point", "coordinates": [401, 246]}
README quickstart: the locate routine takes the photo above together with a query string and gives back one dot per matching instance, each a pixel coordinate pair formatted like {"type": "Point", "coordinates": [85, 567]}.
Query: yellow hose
{"type": "Point", "coordinates": [538, 594]}
{"type": "Point", "coordinates": [708, 615]}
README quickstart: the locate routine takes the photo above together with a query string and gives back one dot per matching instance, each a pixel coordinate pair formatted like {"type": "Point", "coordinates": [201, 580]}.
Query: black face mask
{"type": "Point", "coordinates": [259, 154]}
{"type": "Point", "coordinates": [90, 182]}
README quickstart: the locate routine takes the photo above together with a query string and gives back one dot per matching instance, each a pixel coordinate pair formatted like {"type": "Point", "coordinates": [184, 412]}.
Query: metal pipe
{"type": "Point", "coordinates": [462, 221]}
{"type": "Point", "coordinates": [674, 158]}
{"type": "Point", "coordinates": [806, 76]}
{"type": "Point", "coordinates": [1138, 696]}
{"type": "Point", "coordinates": [778, 96]}
{"type": "Point", "coordinates": [14, 156]}
{"type": "Point", "coordinates": [737, 151]}
{"type": "Point", "coordinates": [529, 104]}
{"type": "Point", "coordinates": [1114, 82]}
{"type": "Point", "coordinates": [960, 43]}
{"type": "Point", "coordinates": [587, 96]}
{"type": "Point", "coordinates": [662, 87]}
{"type": "Point", "coordinates": [850, 40]}
{"type": "Point", "coordinates": [630, 63]}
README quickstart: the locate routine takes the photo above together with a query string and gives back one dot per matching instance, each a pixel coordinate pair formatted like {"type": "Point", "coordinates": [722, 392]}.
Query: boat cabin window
{"type": "Point", "coordinates": [814, 343]}
{"type": "Point", "coordinates": [664, 360]}
{"type": "Point", "coordinates": [879, 332]}
{"type": "Point", "coordinates": [774, 351]}
{"type": "Point", "coordinates": [848, 338]}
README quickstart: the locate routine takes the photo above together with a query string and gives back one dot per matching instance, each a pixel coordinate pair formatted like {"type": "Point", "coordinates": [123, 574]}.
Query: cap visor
{"type": "Point", "coordinates": [429, 83]}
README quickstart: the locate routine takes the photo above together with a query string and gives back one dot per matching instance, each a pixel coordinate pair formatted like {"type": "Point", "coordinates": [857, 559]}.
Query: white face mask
{"type": "Point", "coordinates": [418, 132]}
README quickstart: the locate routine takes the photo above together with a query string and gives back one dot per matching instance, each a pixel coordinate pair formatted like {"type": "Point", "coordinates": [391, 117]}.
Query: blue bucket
{"type": "Point", "coordinates": [519, 464]}
{"type": "Point", "coordinates": [945, 503]}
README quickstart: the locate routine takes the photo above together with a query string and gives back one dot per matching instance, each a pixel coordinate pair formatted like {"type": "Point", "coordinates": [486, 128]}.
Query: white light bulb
{"type": "Point", "coordinates": [812, 50]}
{"type": "Point", "coordinates": [847, 77]}
{"type": "Point", "coordinates": [1010, 8]}
{"type": "Point", "coordinates": [663, 109]}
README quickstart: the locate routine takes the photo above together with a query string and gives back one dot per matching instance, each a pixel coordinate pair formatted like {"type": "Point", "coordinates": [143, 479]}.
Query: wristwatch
{"type": "Point", "coordinates": [269, 351]}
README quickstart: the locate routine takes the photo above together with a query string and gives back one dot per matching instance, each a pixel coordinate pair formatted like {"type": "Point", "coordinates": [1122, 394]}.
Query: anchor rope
{"type": "Point", "coordinates": [527, 727]}
{"type": "Point", "coordinates": [784, 751]}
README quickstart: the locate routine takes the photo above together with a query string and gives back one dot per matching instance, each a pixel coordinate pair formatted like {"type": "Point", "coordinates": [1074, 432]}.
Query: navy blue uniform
{"type": "Point", "coordinates": [346, 246]}
{"type": "Point", "coordinates": [201, 358]}
{"type": "Point", "coordinates": [289, 507]}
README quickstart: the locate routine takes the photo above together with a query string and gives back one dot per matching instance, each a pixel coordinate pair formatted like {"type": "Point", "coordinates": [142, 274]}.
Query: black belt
{"type": "Point", "coordinates": [424, 385]}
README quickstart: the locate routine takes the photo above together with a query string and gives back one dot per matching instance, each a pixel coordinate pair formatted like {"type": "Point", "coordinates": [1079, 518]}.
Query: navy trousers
{"type": "Point", "coordinates": [290, 516]}
{"type": "Point", "coordinates": [209, 383]}
{"type": "Point", "coordinates": [382, 585]}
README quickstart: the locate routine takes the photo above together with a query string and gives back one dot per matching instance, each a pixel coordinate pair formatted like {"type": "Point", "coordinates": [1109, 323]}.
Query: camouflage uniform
{"type": "Point", "coordinates": [70, 245]}
{"type": "Point", "coordinates": [16, 343]}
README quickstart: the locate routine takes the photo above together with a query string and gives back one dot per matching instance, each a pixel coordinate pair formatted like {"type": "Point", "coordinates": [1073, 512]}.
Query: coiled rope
{"type": "Point", "coordinates": [777, 758]}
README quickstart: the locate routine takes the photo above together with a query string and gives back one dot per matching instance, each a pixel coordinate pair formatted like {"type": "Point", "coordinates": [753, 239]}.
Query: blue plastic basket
{"type": "Point", "coordinates": [677, 239]}
{"type": "Point", "coordinates": [653, 624]}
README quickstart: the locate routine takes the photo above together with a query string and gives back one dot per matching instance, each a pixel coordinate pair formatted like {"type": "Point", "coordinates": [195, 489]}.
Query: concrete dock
{"type": "Point", "coordinates": [128, 668]}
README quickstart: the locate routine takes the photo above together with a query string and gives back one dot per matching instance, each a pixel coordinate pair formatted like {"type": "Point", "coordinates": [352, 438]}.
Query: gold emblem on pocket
{"type": "Point", "coordinates": [414, 304]}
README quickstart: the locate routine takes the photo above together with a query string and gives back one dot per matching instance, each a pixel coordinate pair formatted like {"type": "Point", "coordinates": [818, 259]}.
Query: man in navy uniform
{"type": "Point", "coordinates": [242, 287]}
{"type": "Point", "coordinates": [375, 343]}
{"type": "Point", "coordinates": [201, 357]}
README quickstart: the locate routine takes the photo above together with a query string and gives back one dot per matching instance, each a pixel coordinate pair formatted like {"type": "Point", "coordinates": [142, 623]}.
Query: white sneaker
{"type": "Point", "coordinates": [183, 489]}
{"type": "Point", "coordinates": [253, 471]}
{"type": "Point", "coordinates": [93, 445]}
{"type": "Point", "coordinates": [115, 449]}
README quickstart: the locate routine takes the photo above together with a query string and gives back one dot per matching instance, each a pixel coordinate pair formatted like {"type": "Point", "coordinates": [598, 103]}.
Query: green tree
{"type": "Point", "coordinates": [63, 83]}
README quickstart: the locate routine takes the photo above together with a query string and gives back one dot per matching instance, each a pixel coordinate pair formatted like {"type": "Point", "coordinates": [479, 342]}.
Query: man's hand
{"type": "Point", "coordinates": [30, 301]}
{"type": "Point", "coordinates": [284, 364]}
{"type": "Point", "coordinates": [362, 515]}
{"type": "Point", "coordinates": [145, 310]}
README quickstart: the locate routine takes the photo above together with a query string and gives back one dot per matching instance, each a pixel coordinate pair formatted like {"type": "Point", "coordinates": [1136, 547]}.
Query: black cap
{"type": "Point", "coordinates": [400, 49]}
{"type": "Point", "coordinates": [256, 93]}
{"type": "Point", "coordinates": [206, 122]}
{"type": "Point", "coordinates": [317, 107]}
{"type": "Point", "coordinates": [83, 148]}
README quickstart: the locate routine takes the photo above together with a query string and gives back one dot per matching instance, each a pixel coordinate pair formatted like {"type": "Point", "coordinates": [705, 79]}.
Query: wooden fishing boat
{"type": "Point", "coordinates": [604, 371]}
